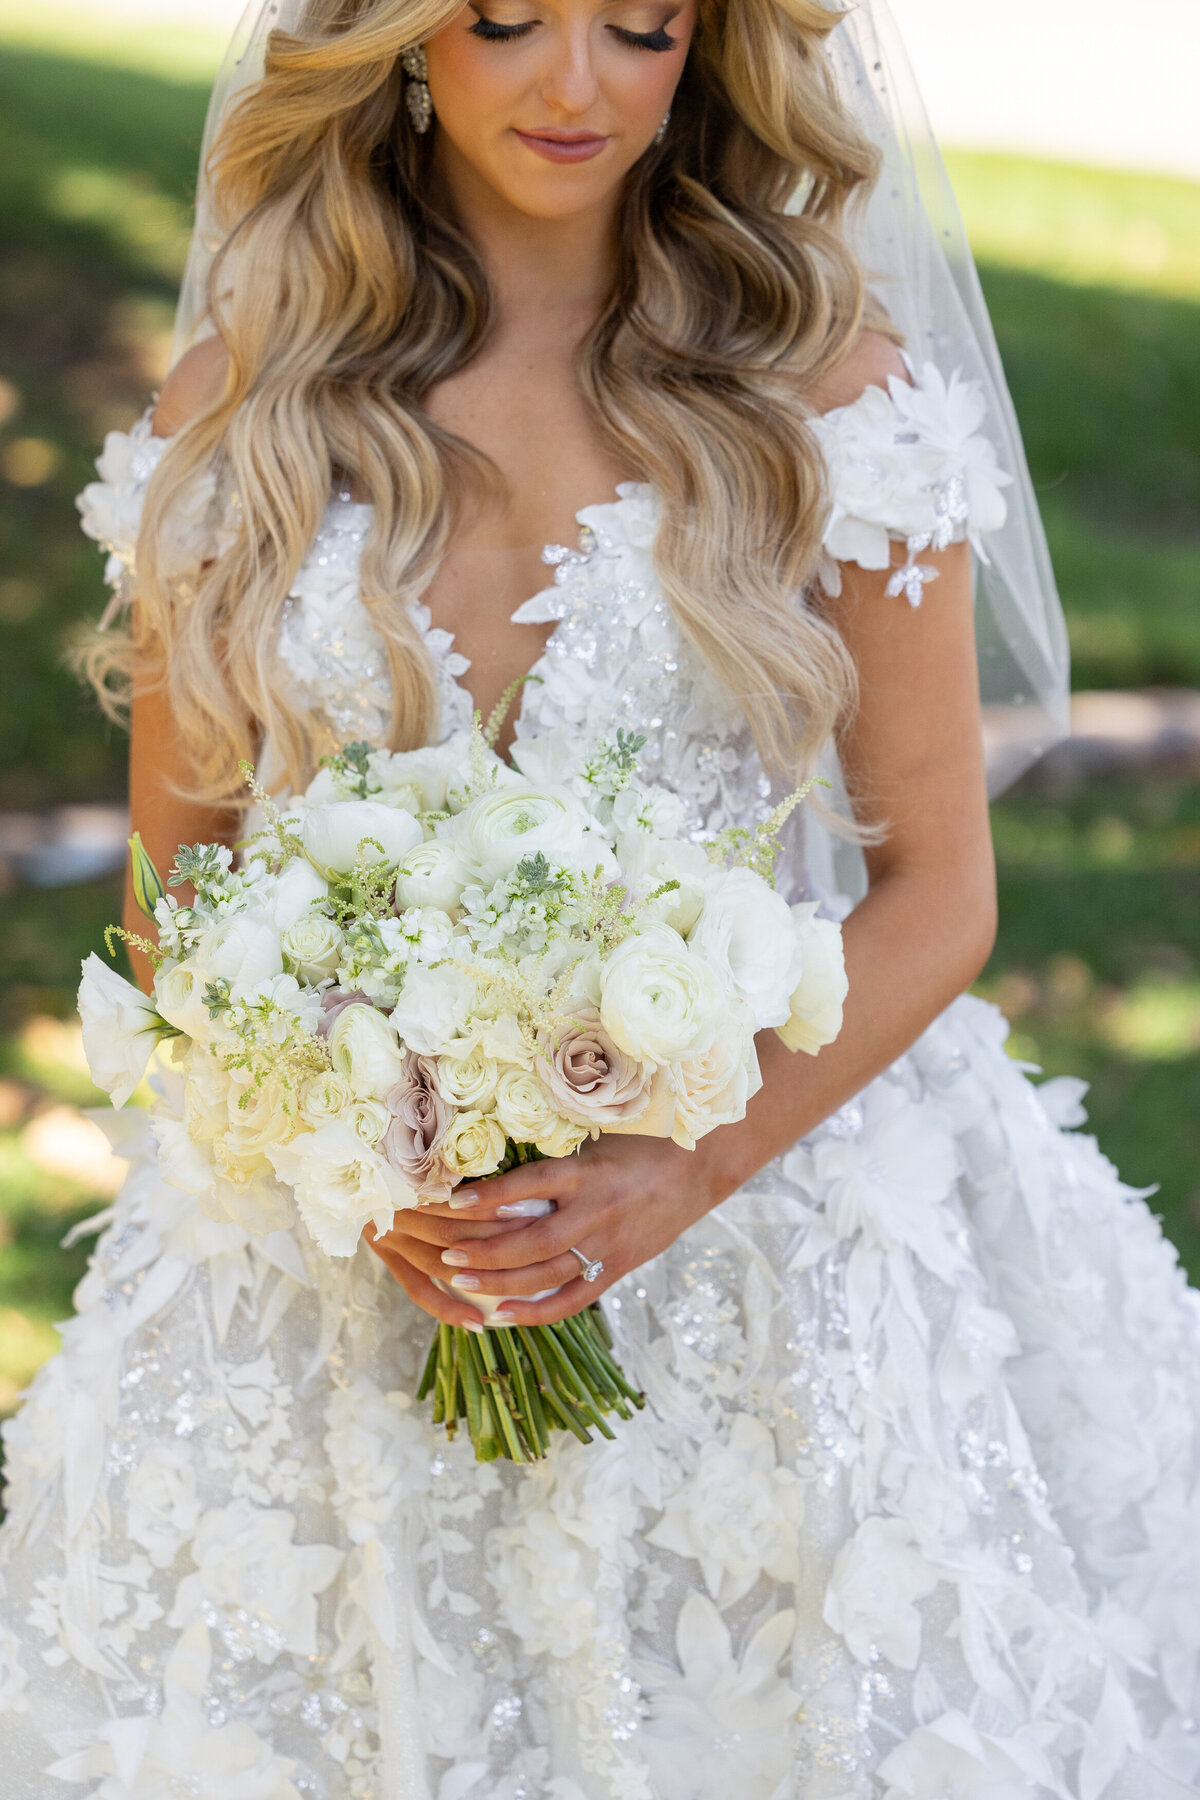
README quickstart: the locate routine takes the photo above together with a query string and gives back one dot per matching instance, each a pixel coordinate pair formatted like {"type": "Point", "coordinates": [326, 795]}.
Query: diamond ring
{"type": "Point", "coordinates": [588, 1269]}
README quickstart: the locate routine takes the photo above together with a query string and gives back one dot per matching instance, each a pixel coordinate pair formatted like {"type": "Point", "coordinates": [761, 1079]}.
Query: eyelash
{"type": "Point", "coordinates": [491, 33]}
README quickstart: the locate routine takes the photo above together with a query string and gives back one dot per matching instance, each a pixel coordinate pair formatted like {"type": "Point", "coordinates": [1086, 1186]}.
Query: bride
{"type": "Point", "coordinates": [912, 1509]}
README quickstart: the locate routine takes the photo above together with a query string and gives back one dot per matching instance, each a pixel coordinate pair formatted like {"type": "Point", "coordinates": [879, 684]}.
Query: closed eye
{"type": "Point", "coordinates": [644, 40]}
{"type": "Point", "coordinates": [492, 33]}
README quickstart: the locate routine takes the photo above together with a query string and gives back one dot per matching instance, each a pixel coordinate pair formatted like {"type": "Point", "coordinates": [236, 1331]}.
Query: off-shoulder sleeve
{"type": "Point", "coordinates": [910, 464]}
{"type": "Point", "coordinates": [110, 509]}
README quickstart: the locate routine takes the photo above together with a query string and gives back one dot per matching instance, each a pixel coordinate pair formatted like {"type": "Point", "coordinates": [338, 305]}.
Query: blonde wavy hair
{"type": "Point", "coordinates": [343, 294]}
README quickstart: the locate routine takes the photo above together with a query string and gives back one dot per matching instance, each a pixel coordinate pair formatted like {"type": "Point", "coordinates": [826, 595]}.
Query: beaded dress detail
{"type": "Point", "coordinates": [912, 1513]}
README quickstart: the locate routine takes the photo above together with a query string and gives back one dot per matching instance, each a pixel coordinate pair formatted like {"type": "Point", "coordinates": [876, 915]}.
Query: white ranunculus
{"type": "Point", "coordinates": [497, 831]}
{"type": "Point", "coordinates": [341, 1184]}
{"type": "Point", "coordinates": [364, 1048]}
{"type": "Point", "coordinates": [312, 947]}
{"type": "Point", "coordinates": [324, 1097]}
{"type": "Point", "coordinates": [434, 1007]}
{"type": "Point", "coordinates": [878, 1577]}
{"type": "Point", "coordinates": [294, 891]}
{"type": "Point", "coordinates": [242, 950]}
{"type": "Point", "coordinates": [658, 1002]}
{"type": "Point", "coordinates": [474, 1144]}
{"type": "Point", "coordinates": [715, 1086]}
{"type": "Point", "coordinates": [120, 1029]}
{"type": "Point", "coordinates": [333, 834]}
{"type": "Point", "coordinates": [745, 933]}
{"type": "Point", "coordinates": [431, 875]}
{"type": "Point", "coordinates": [179, 992]}
{"type": "Point", "coordinates": [469, 1080]}
{"type": "Point", "coordinates": [819, 982]}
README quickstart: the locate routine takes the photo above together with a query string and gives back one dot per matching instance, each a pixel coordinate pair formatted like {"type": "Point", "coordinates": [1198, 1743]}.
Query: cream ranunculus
{"type": "Point", "coordinates": [324, 1097]}
{"type": "Point", "coordinates": [333, 835]}
{"type": "Point", "coordinates": [658, 1002]}
{"type": "Point", "coordinates": [364, 1048]}
{"type": "Point", "coordinates": [745, 933]}
{"type": "Point", "coordinates": [714, 1087]}
{"type": "Point", "coordinates": [431, 875]}
{"type": "Point", "coordinates": [470, 1080]}
{"type": "Point", "coordinates": [312, 947]}
{"type": "Point", "coordinates": [497, 831]}
{"type": "Point", "coordinates": [341, 1184]}
{"type": "Point", "coordinates": [120, 1029]}
{"type": "Point", "coordinates": [819, 981]}
{"type": "Point", "coordinates": [474, 1145]}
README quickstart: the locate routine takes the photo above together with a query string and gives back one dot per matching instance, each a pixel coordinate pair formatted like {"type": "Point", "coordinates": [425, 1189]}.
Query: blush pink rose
{"type": "Point", "coordinates": [591, 1082]}
{"type": "Point", "coordinates": [420, 1119]}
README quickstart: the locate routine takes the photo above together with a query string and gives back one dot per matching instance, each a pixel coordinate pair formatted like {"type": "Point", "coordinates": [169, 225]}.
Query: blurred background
{"type": "Point", "coordinates": [1076, 155]}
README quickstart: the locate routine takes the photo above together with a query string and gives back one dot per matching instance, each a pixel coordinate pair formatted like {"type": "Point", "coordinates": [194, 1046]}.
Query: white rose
{"type": "Point", "coordinates": [820, 984]}
{"type": "Point", "coordinates": [260, 1116]}
{"type": "Point", "coordinates": [369, 1118]}
{"type": "Point", "coordinates": [560, 1138]}
{"type": "Point", "coordinates": [333, 834]}
{"type": "Point", "coordinates": [179, 991]}
{"type": "Point", "coordinates": [312, 947]}
{"type": "Point", "coordinates": [715, 1086]}
{"type": "Point", "coordinates": [242, 950]}
{"type": "Point", "coordinates": [658, 1002]}
{"type": "Point", "coordinates": [363, 1048]}
{"type": "Point", "coordinates": [341, 1184]}
{"type": "Point", "coordinates": [434, 1007]}
{"type": "Point", "coordinates": [120, 1029]}
{"type": "Point", "coordinates": [324, 1097]}
{"type": "Point", "coordinates": [474, 1144]}
{"type": "Point", "coordinates": [294, 890]}
{"type": "Point", "coordinates": [470, 1080]}
{"type": "Point", "coordinates": [523, 1107]}
{"type": "Point", "coordinates": [206, 1097]}
{"type": "Point", "coordinates": [497, 831]}
{"type": "Point", "coordinates": [745, 933]}
{"type": "Point", "coordinates": [431, 875]}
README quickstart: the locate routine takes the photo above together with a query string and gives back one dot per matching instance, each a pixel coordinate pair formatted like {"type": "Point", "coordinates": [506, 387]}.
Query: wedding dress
{"type": "Point", "coordinates": [912, 1511]}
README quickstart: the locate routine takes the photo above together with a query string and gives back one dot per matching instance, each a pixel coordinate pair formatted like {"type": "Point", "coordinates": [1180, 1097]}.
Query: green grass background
{"type": "Point", "coordinates": [1094, 281]}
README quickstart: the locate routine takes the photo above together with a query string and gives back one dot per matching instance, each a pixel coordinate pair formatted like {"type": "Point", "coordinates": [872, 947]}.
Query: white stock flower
{"type": "Point", "coordinates": [161, 1506]}
{"type": "Point", "coordinates": [333, 835]}
{"type": "Point", "coordinates": [325, 1096]}
{"type": "Point", "coordinates": [341, 1184]}
{"type": "Point", "coordinates": [658, 1002]}
{"type": "Point", "coordinates": [949, 1759]}
{"type": "Point", "coordinates": [715, 1086]}
{"type": "Point", "coordinates": [363, 1047]}
{"type": "Point", "coordinates": [474, 1144]}
{"type": "Point", "coordinates": [468, 1080]}
{"type": "Point", "coordinates": [878, 1576]}
{"type": "Point", "coordinates": [431, 875]}
{"type": "Point", "coordinates": [654, 812]}
{"type": "Point", "coordinates": [246, 1560]}
{"type": "Point", "coordinates": [745, 934]}
{"type": "Point", "coordinates": [312, 947]}
{"type": "Point", "coordinates": [719, 1727]}
{"type": "Point", "coordinates": [738, 1513]}
{"type": "Point", "coordinates": [119, 1029]}
{"type": "Point", "coordinates": [242, 950]}
{"type": "Point", "coordinates": [434, 1007]}
{"type": "Point", "coordinates": [819, 983]}
{"type": "Point", "coordinates": [500, 829]}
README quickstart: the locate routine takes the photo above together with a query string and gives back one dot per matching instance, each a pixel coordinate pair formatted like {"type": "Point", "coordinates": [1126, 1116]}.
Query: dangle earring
{"type": "Point", "coordinates": [660, 135]}
{"type": "Point", "coordinates": [416, 94]}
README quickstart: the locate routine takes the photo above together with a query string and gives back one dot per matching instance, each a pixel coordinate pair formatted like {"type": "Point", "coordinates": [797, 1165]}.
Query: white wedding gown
{"type": "Point", "coordinates": [912, 1511]}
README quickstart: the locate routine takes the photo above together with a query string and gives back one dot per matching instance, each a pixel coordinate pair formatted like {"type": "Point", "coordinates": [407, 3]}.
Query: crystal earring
{"type": "Point", "coordinates": [416, 94]}
{"type": "Point", "coordinates": [661, 134]}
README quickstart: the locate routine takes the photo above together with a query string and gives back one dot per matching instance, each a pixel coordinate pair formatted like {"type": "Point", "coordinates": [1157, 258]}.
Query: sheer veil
{"type": "Point", "coordinates": [913, 245]}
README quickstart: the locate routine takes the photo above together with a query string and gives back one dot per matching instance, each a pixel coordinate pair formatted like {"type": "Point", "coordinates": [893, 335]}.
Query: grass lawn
{"type": "Point", "coordinates": [1094, 280]}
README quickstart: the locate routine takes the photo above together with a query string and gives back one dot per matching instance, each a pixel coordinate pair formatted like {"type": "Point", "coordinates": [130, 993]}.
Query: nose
{"type": "Point", "coordinates": [569, 85]}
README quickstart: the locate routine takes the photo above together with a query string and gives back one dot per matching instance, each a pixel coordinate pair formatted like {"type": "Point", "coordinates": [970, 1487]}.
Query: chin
{"type": "Point", "coordinates": [555, 192]}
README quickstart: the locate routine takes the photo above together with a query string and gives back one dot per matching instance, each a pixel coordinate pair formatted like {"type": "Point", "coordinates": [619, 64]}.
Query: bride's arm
{"type": "Point", "coordinates": [914, 756]}
{"type": "Point", "coordinates": [158, 761]}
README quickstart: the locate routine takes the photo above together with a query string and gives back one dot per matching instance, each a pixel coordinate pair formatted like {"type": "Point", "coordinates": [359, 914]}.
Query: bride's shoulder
{"type": "Point", "coordinates": [195, 383]}
{"type": "Point", "coordinates": [871, 360]}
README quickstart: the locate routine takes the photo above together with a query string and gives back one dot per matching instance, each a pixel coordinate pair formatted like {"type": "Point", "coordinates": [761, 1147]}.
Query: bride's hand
{"type": "Point", "coordinates": [621, 1201]}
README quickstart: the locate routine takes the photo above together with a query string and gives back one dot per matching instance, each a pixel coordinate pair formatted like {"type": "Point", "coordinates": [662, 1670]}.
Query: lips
{"type": "Point", "coordinates": [563, 146]}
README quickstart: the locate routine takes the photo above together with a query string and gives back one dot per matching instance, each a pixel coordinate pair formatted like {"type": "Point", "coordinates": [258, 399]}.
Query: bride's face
{"type": "Point", "coordinates": [551, 102]}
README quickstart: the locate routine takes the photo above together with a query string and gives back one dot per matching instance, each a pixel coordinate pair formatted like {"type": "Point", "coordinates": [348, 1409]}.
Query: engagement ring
{"type": "Point", "coordinates": [589, 1269]}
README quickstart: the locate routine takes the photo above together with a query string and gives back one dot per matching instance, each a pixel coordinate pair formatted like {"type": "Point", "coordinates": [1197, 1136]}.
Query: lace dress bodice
{"type": "Point", "coordinates": [906, 464]}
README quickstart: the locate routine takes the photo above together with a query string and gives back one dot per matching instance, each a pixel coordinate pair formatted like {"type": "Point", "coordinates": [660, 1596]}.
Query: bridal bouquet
{"type": "Point", "coordinates": [433, 965]}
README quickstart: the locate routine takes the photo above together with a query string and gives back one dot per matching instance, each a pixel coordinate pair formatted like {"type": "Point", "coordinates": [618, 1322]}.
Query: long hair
{"type": "Point", "coordinates": [344, 292]}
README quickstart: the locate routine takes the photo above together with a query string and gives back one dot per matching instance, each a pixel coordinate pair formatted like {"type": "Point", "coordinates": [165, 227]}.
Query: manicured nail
{"type": "Point", "coordinates": [460, 1202]}
{"type": "Point", "coordinates": [458, 1259]}
{"type": "Point", "coordinates": [525, 1209]}
{"type": "Point", "coordinates": [476, 1325]}
{"type": "Point", "coordinates": [464, 1281]}
{"type": "Point", "coordinates": [503, 1318]}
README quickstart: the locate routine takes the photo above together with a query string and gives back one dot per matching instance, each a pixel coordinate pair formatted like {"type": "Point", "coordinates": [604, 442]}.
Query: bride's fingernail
{"type": "Point", "coordinates": [474, 1325]}
{"type": "Point", "coordinates": [525, 1209]}
{"type": "Point", "coordinates": [503, 1318]}
{"type": "Point", "coordinates": [458, 1259]}
{"type": "Point", "coordinates": [460, 1202]}
{"type": "Point", "coordinates": [464, 1281]}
